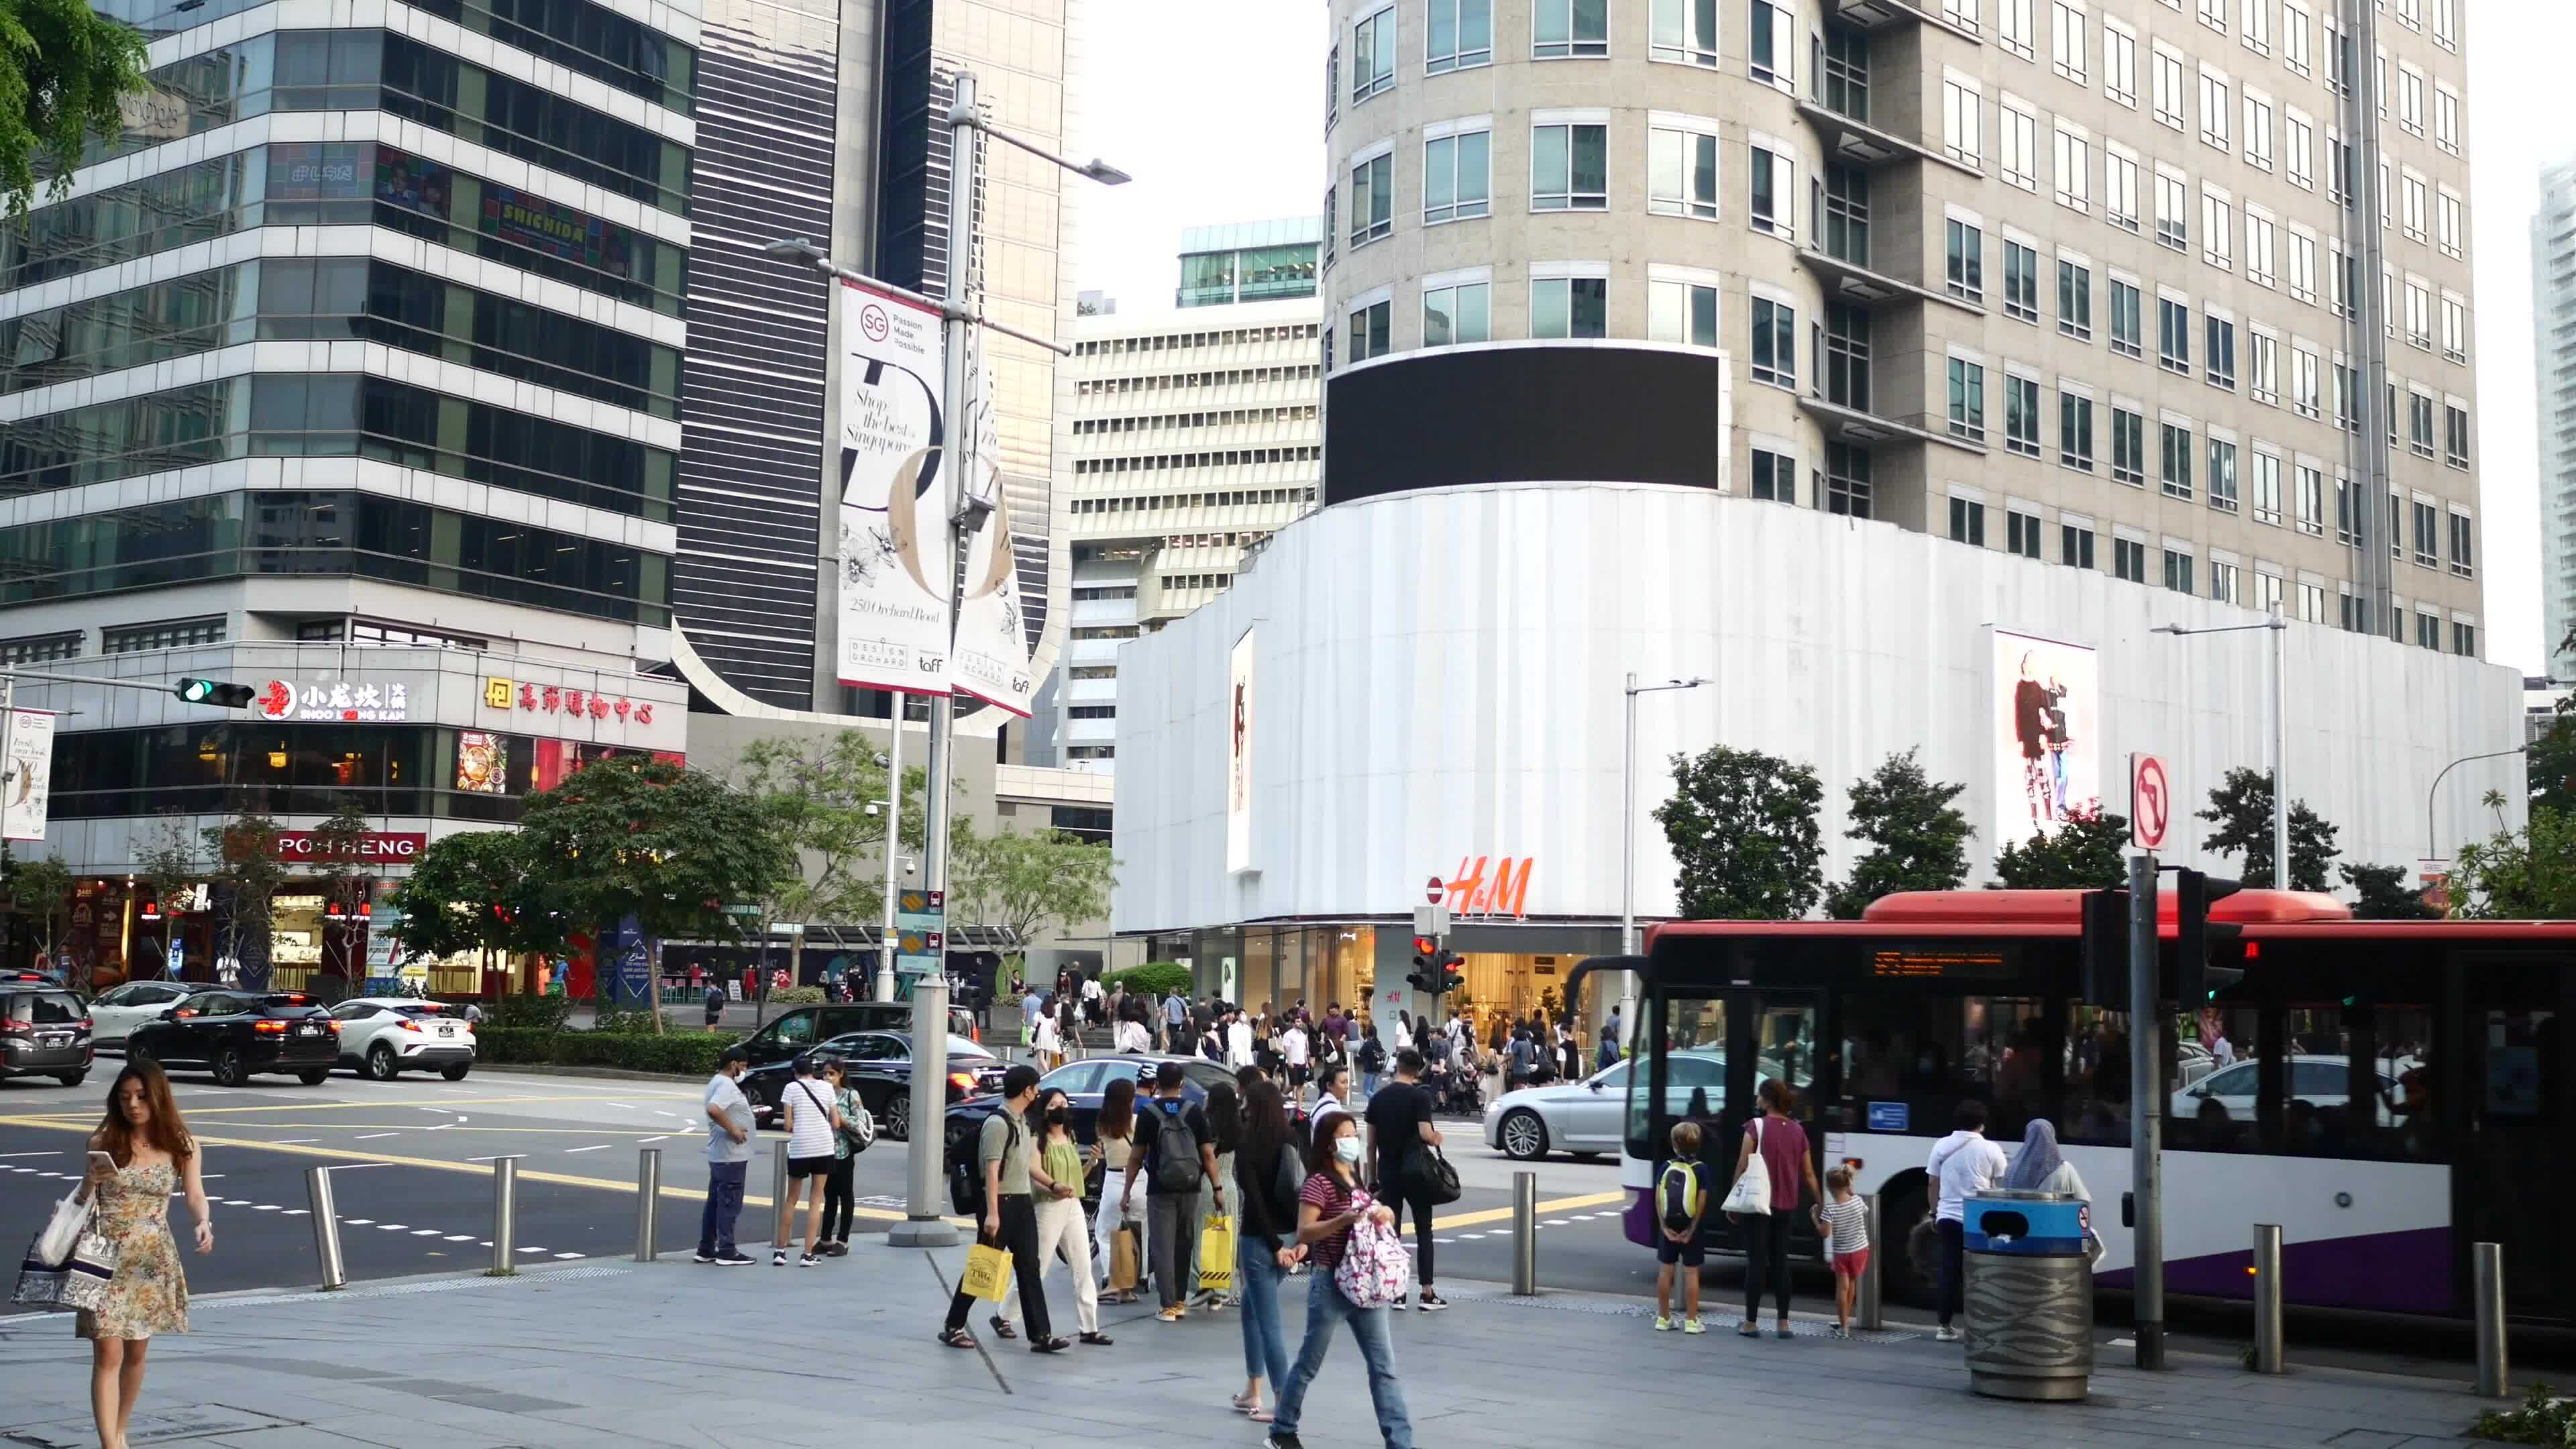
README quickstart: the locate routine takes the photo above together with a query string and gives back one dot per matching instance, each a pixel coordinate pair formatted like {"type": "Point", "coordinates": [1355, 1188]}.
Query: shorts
{"type": "Point", "coordinates": [1691, 1254]}
{"type": "Point", "coordinates": [809, 1167]}
{"type": "Point", "coordinates": [1851, 1264]}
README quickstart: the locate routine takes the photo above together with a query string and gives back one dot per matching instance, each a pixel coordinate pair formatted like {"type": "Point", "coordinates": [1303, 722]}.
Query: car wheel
{"type": "Point", "coordinates": [314, 1078]}
{"type": "Point", "coordinates": [72, 1079]}
{"type": "Point", "coordinates": [380, 1062]}
{"type": "Point", "coordinates": [229, 1069]}
{"type": "Point", "coordinates": [897, 1121]}
{"type": "Point", "coordinates": [1524, 1136]}
{"type": "Point", "coordinates": [456, 1072]}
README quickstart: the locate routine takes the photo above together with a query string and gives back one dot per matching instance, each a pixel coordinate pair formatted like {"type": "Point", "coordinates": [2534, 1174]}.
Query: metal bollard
{"type": "Point", "coordinates": [505, 1215]}
{"type": "Point", "coordinates": [648, 1203]}
{"type": "Point", "coordinates": [2486, 1263]}
{"type": "Point", "coordinates": [1525, 1233]}
{"type": "Point", "coordinates": [2267, 1298]}
{"type": "Point", "coordinates": [778, 1191]}
{"type": "Point", "coordinates": [326, 1227]}
{"type": "Point", "coordinates": [1869, 1308]}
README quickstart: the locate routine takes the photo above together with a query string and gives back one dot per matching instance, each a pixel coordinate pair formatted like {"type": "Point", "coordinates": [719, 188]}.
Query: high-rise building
{"type": "Point", "coordinates": [1184, 439]}
{"type": "Point", "coordinates": [2553, 298]}
{"type": "Point", "coordinates": [2080, 281]}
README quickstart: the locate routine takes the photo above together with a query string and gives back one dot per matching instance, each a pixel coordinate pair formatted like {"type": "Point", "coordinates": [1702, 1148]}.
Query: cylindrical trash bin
{"type": "Point", "coordinates": [2029, 1302]}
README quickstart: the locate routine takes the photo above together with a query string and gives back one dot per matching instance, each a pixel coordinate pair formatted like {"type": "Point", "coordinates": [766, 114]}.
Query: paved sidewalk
{"type": "Point", "coordinates": [602, 1354]}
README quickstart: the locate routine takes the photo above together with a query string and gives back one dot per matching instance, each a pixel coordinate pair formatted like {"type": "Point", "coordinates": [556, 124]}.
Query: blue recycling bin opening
{"type": "Point", "coordinates": [2024, 1225]}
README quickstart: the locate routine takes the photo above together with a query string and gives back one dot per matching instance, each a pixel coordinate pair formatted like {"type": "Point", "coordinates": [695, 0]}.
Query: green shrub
{"type": "Point", "coordinates": [615, 1022]}
{"type": "Point", "coordinates": [516, 1009]}
{"type": "Point", "coordinates": [1162, 978]}
{"type": "Point", "coordinates": [796, 996]}
{"type": "Point", "coordinates": [513, 1044]}
{"type": "Point", "coordinates": [691, 1053]}
{"type": "Point", "coordinates": [2544, 1418]}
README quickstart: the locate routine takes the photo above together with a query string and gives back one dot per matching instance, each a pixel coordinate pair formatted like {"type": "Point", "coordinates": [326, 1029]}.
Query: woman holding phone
{"type": "Point", "coordinates": [138, 1158]}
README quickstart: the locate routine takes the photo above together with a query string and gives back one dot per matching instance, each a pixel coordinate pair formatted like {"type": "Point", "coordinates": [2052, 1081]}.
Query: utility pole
{"type": "Point", "coordinates": [893, 854]}
{"type": "Point", "coordinates": [2146, 1111]}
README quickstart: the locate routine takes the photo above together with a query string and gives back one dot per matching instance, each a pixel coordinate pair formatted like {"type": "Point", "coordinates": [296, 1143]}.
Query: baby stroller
{"type": "Point", "coordinates": [1453, 1087]}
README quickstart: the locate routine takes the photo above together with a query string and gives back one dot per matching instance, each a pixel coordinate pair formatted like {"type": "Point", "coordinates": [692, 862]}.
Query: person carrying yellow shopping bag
{"type": "Point", "coordinates": [1216, 1254]}
{"type": "Point", "coordinates": [988, 1273]}
{"type": "Point", "coordinates": [1009, 1229]}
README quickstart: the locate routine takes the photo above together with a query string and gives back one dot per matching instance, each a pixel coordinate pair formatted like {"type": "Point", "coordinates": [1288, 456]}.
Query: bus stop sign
{"type": "Point", "coordinates": [2150, 802]}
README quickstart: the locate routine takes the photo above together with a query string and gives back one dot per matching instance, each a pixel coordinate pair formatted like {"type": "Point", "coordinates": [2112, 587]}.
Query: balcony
{"type": "Point", "coordinates": [1864, 286]}
{"type": "Point", "coordinates": [1869, 430]}
{"type": "Point", "coordinates": [1856, 142]}
{"type": "Point", "coordinates": [1870, 14]}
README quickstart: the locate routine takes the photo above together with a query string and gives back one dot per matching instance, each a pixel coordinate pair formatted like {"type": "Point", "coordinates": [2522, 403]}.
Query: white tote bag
{"type": "Point", "coordinates": [1751, 1195]}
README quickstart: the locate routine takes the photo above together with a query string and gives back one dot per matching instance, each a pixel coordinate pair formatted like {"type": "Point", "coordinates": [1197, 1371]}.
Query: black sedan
{"type": "Point", "coordinates": [1084, 1084]}
{"type": "Point", "coordinates": [880, 1068]}
{"type": "Point", "coordinates": [236, 1033]}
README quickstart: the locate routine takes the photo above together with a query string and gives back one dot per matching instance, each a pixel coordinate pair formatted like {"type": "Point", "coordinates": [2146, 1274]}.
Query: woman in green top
{"type": "Point", "coordinates": [1063, 1232]}
{"type": "Point", "coordinates": [837, 1202]}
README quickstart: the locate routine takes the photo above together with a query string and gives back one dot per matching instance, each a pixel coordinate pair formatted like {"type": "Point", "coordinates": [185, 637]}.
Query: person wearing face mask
{"type": "Point", "coordinates": [1062, 1234]}
{"type": "Point", "coordinates": [1330, 1204]}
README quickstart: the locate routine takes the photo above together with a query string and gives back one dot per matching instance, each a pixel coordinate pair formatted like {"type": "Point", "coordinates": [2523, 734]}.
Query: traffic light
{"type": "Point", "coordinates": [2106, 949]}
{"type": "Point", "coordinates": [215, 692]}
{"type": "Point", "coordinates": [2196, 982]}
{"type": "Point", "coordinates": [1450, 977]}
{"type": "Point", "coordinates": [1426, 969]}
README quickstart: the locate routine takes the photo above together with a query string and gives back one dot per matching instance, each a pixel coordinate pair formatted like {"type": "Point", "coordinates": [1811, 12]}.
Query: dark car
{"type": "Point", "coordinates": [235, 1033]}
{"type": "Point", "coordinates": [44, 1030]}
{"type": "Point", "coordinates": [800, 1029]}
{"type": "Point", "coordinates": [1084, 1084]}
{"type": "Point", "coordinates": [880, 1069]}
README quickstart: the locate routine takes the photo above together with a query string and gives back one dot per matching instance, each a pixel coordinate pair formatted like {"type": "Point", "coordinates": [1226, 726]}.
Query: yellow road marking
{"type": "Point", "coordinates": [1443, 1222]}
{"type": "Point", "coordinates": [443, 1104]}
{"type": "Point", "coordinates": [476, 1169]}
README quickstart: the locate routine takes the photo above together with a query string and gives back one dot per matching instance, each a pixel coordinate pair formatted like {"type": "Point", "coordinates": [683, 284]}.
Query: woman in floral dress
{"type": "Point", "coordinates": [153, 1157]}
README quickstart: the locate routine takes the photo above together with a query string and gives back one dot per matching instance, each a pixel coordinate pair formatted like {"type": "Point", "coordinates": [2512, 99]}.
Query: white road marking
{"type": "Point", "coordinates": [235, 1201]}
{"type": "Point", "coordinates": [263, 1207]}
{"type": "Point", "coordinates": [640, 1141]}
{"type": "Point", "coordinates": [371, 1136]}
{"type": "Point", "coordinates": [293, 1141]}
{"type": "Point", "coordinates": [460, 1237]}
{"type": "Point", "coordinates": [296, 1212]}
{"type": "Point", "coordinates": [441, 1127]}
{"type": "Point", "coordinates": [424, 1232]}
{"type": "Point", "coordinates": [357, 1222]}
{"type": "Point", "coordinates": [58, 1154]}
{"type": "Point", "coordinates": [571, 1255]}
{"type": "Point", "coordinates": [393, 1227]}
{"type": "Point", "coordinates": [594, 1147]}
{"type": "Point", "coordinates": [658, 1112]}
{"type": "Point", "coordinates": [1469, 1237]}
{"type": "Point", "coordinates": [532, 1250]}
{"type": "Point", "coordinates": [1554, 1223]}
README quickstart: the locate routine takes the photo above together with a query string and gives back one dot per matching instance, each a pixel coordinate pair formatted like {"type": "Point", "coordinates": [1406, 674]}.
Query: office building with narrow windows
{"type": "Point", "coordinates": [2553, 321]}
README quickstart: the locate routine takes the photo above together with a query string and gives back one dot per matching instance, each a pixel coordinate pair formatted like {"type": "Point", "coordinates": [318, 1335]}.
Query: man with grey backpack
{"type": "Point", "coordinates": [1180, 1150]}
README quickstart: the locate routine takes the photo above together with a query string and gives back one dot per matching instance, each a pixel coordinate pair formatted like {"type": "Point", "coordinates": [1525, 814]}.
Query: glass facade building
{"type": "Point", "coordinates": [1257, 261]}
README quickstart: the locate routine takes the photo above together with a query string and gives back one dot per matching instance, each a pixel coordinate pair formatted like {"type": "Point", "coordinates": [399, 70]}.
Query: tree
{"type": "Point", "coordinates": [1742, 826]}
{"type": "Point", "coordinates": [2382, 894]}
{"type": "Point", "coordinates": [483, 891]}
{"type": "Point", "coordinates": [169, 864]}
{"type": "Point", "coordinates": [1918, 839]}
{"type": "Point", "coordinates": [40, 892]}
{"type": "Point", "coordinates": [63, 69]}
{"type": "Point", "coordinates": [339, 855]}
{"type": "Point", "coordinates": [634, 838]}
{"type": "Point", "coordinates": [1029, 882]}
{"type": "Point", "coordinates": [2241, 808]}
{"type": "Point", "coordinates": [246, 866]}
{"type": "Point", "coordinates": [822, 795]}
{"type": "Point", "coordinates": [2526, 874]}
{"type": "Point", "coordinates": [2552, 762]}
{"type": "Point", "coordinates": [2087, 852]}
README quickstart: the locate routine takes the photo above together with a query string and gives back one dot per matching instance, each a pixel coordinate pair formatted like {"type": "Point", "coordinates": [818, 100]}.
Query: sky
{"type": "Point", "coordinates": [1243, 141]}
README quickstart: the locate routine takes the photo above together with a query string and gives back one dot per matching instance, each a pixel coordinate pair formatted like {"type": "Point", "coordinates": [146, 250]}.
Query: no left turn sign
{"type": "Point", "coordinates": [2150, 802]}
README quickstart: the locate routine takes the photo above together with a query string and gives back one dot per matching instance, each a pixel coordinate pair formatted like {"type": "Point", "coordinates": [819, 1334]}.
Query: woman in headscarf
{"type": "Point", "coordinates": [2040, 1167]}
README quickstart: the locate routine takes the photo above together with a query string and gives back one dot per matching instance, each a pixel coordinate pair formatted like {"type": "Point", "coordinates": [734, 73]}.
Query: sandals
{"type": "Point", "coordinates": [958, 1338]}
{"type": "Point", "coordinates": [1244, 1403]}
{"type": "Point", "coordinates": [1258, 1416]}
{"type": "Point", "coordinates": [1002, 1328]}
{"type": "Point", "coordinates": [1051, 1345]}
{"type": "Point", "coordinates": [1098, 1340]}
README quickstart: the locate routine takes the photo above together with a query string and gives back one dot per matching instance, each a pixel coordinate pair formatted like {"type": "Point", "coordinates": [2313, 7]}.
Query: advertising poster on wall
{"type": "Point", "coordinates": [993, 662]}
{"type": "Point", "coordinates": [2046, 729]}
{"type": "Point", "coordinates": [482, 762]}
{"type": "Point", "coordinates": [1238, 759]}
{"type": "Point", "coordinates": [29, 792]}
{"type": "Point", "coordinates": [893, 619]}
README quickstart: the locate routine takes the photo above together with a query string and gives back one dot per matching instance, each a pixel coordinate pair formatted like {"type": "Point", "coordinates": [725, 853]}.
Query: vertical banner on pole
{"type": "Point", "coordinates": [893, 605]}
{"type": "Point", "coordinates": [30, 751]}
{"type": "Point", "coordinates": [993, 661]}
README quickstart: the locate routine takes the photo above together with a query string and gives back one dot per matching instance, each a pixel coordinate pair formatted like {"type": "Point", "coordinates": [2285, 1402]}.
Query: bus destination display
{"type": "Point", "coordinates": [1934, 961]}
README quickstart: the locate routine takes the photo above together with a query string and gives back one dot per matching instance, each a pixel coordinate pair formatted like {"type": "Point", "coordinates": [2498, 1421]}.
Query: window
{"type": "Point", "coordinates": [2074, 171]}
{"type": "Point", "coordinates": [2119, 64]}
{"type": "Point", "coordinates": [2173, 335]}
{"type": "Point", "coordinates": [1332, 109]}
{"type": "Point", "coordinates": [2446, 34]}
{"type": "Point", "coordinates": [2178, 571]}
{"type": "Point", "coordinates": [1368, 331]}
{"type": "Point", "coordinates": [1456, 314]}
{"type": "Point", "coordinates": [2464, 639]}
{"type": "Point", "coordinates": [2217, 108]}
{"type": "Point", "coordinates": [2213, 13]}
{"type": "Point", "coordinates": [2455, 435]}
{"type": "Point", "coordinates": [2021, 282]}
{"type": "Point", "coordinates": [2075, 300]}
{"type": "Point", "coordinates": [1329, 228]}
{"type": "Point", "coordinates": [2218, 227]}
{"type": "Point", "coordinates": [2455, 328]}
{"type": "Point", "coordinates": [2174, 452]}
{"type": "Point", "coordinates": [2017, 133]}
{"type": "Point", "coordinates": [1773, 200]}
{"type": "Point", "coordinates": [1961, 13]}
{"type": "Point", "coordinates": [2454, 224]}
{"type": "Point", "coordinates": [2312, 602]}
{"type": "Point", "coordinates": [2074, 546]}
{"type": "Point", "coordinates": [2127, 330]}
{"type": "Point", "coordinates": [2075, 431]}
{"type": "Point", "coordinates": [161, 634]}
{"type": "Point", "coordinates": [2169, 93]}
{"type": "Point", "coordinates": [1461, 34]}
{"type": "Point", "coordinates": [1372, 200]}
{"type": "Point", "coordinates": [2267, 590]}
{"type": "Point", "coordinates": [2021, 416]}
{"type": "Point", "coordinates": [2410, 100]}
{"type": "Point", "coordinates": [2428, 630]}
{"type": "Point", "coordinates": [2255, 26]}
{"type": "Point", "coordinates": [2218, 359]}
{"type": "Point", "coordinates": [2295, 53]}
{"type": "Point", "coordinates": [2258, 130]}
{"type": "Point", "coordinates": [1775, 476]}
{"type": "Point", "coordinates": [2222, 475]}
{"type": "Point", "coordinates": [2413, 192]}
{"type": "Point", "coordinates": [1569, 29]}
{"type": "Point", "coordinates": [2066, 40]}
{"type": "Point", "coordinates": [1963, 123]}
{"type": "Point", "coordinates": [2419, 314]}
{"type": "Point", "coordinates": [2463, 547]}
{"type": "Point", "coordinates": [2260, 249]}
{"type": "Point", "coordinates": [1771, 44]}
{"type": "Point", "coordinates": [1847, 213]}
{"type": "Point", "coordinates": [1569, 307]}
{"type": "Point", "coordinates": [1681, 172]}
{"type": "Point", "coordinates": [2021, 533]}
{"type": "Point", "coordinates": [2308, 498]}
{"type": "Point", "coordinates": [40, 648]}
{"type": "Point", "coordinates": [2304, 381]}
{"type": "Point", "coordinates": [1967, 522]}
{"type": "Point", "coordinates": [2223, 582]}
{"type": "Point", "coordinates": [2446, 119]}
{"type": "Point", "coordinates": [2263, 368]}
{"type": "Point", "coordinates": [1569, 168]}
{"type": "Point", "coordinates": [2173, 212]}
{"type": "Point", "coordinates": [1847, 479]}
{"type": "Point", "coordinates": [2338, 171]}
{"type": "Point", "coordinates": [1373, 55]}
{"type": "Point", "coordinates": [2012, 27]}
{"type": "Point", "coordinates": [1967, 400]}
{"type": "Point", "coordinates": [2344, 530]}
{"type": "Point", "coordinates": [2264, 484]}
{"type": "Point", "coordinates": [1775, 342]}
{"type": "Point", "coordinates": [1457, 176]}
{"type": "Point", "coordinates": [2303, 268]}
{"type": "Point", "coordinates": [2128, 446]}
{"type": "Point", "coordinates": [1846, 363]}
{"type": "Point", "coordinates": [1681, 311]}
{"type": "Point", "coordinates": [2428, 535]}
{"type": "Point", "coordinates": [1967, 261]}
{"type": "Point", "coordinates": [1686, 31]}
{"type": "Point", "coordinates": [2120, 190]}
{"type": "Point", "coordinates": [2298, 145]}
{"type": "Point", "coordinates": [2129, 560]}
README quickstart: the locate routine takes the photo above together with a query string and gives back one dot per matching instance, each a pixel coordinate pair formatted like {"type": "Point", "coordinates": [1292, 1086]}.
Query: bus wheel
{"type": "Point", "coordinates": [1912, 1271]}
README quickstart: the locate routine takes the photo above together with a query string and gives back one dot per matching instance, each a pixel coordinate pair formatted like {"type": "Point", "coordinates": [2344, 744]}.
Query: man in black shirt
{"type": "Point", "coordinates": [1400, 1131]}
{"type": "Point", "coordinates": [1172, 1173]}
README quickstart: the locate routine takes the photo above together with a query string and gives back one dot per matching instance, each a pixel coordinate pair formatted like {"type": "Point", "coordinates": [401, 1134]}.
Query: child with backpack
{"type": "Point", "coordinates": [1681, 1196]}
{"type": "Point", "coordinates": [1843, 1221]}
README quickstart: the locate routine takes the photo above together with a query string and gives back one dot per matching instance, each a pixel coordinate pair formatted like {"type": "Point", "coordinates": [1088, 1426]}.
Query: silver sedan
{"type": "Point", "coordinates": [1588, 1116]}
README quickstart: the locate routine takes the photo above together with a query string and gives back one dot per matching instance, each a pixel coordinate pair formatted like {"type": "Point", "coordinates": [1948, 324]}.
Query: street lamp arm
{"type": "Point", "coordinates": [799, 249]}
{"type": "Point", "coordinates": [2185, 630]}
{"type": "Point", "coordinates": [2433, 794]}
{"type": "Point", "coordinates": [1095, 169]}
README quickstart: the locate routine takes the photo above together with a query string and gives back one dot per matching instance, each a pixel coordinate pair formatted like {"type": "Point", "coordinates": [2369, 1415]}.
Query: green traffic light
{"type": "Point", "coordinates": [214, 692]}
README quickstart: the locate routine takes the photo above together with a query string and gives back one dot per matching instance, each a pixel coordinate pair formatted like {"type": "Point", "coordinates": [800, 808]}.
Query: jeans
{"type": "Point", "coordinates": [1420, 1207]}
{"type": "Point", "coordinates": [1265, 1343]}
{"type": "Point", "coordinates": [724, 1205]}
{"type": "Point", "coordinates": [837, 1201]}
{"type": "Point", "coordinates": [1019, 1238]}
{"type": "Point", "coordinates": [1326, 1308]}
{"type": "Point", "coordinates": [1766, 1262]}
{"type": "Point", "coordinates": [1173, 1239]}
{"type": "Point", "coordinates": [1368, 1084]}
{"type": "Point", "coordinates": [1954, 1253]}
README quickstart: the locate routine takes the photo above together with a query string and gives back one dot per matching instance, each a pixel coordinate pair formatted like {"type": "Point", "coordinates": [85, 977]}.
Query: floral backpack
{"type": "Point", "coordinates": [1374, 1267]}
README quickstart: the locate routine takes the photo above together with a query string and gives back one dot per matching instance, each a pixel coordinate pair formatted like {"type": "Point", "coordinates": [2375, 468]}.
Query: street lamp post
{"type": "Point", "coordinates": [2276, 718]}
{"type": "Point", "coordinates": [2431, 851]}
{"type": "Point", "coordinates": [1628, 842]}
{"type": "Point", "coordinates": [965, 511]}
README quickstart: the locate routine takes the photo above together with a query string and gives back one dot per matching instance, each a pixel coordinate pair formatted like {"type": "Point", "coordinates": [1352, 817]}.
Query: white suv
{"type": "Point", "coordinates": [383, 1036]}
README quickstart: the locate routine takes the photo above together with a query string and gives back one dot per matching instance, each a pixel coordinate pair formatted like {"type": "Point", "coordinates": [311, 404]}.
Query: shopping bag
{"type": "Point", "coordinates": [1216, 1254]}
{"type": "Point", "coordinates": [988, 1273]}
{"type": "Point", "coordinates": [1122, 1261]}
{"type": "Point", "coordinates": [78, 1280]}
{"type": "Point", "coordinates": [62, 1232]}
{"type": "Point", "coordinates": [1751, 1195]}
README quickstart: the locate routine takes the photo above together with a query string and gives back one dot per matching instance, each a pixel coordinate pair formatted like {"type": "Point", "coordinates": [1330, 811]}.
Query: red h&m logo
{"type": "Point", "coordinates": [1506, 894]}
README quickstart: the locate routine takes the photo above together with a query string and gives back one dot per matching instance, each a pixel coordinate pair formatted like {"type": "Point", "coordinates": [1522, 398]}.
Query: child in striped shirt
{"type": "Point", "coordinates": [1843, 1221]}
